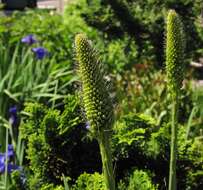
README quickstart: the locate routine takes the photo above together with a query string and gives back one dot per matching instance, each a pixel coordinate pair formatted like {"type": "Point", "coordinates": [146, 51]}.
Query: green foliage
{"type": "Point", "coordinates": [41, 80]}
{"type": "Point", "coordinates": [190, 155]}
{"type": "Point", "coordinates": [198, 103]}
{"type": "Point", "coordinates": [89, 182]}
{"type": "Point", "coordinates": [51, 187]}
{"type": "Point", "coordinates": [18, 181]}
{"type": "Point", "coordinates": [116, 54]}
{"type": "Point", "coordinates": [130, 45]}
{"type": "Point", "coordinates": [145, 89]}
{"type": "Point", "coordinates": [143, 22]}
{"type": "Point", "coordinates": [139, 180]}
{"type": "Point", "coordinates": [147, 94]}
{"type": "Point", "coordinates": [133, 136]}
{"type": "Point", "coordinates": [22, 76]}
{"type": "Point", "coordinates": [15, 87]}
{"type": "Point", "coordinates": [75, 23]}
{"type": "Point", "coordinates": [139, 143]}
{"type": "Point", "coordinates": [120, 54]}
{"type": "Point", "coordinates": [54, 141]}
{"type": "Point", "coordinates": [194, 180]}
{"type": "Point", "coordinates": [37, 80]}
{"type": "Point", "coordinates": [158, 144]}
{"type": "Point", "coordinates": [133, 128]}
{"type": "Point", "coordinates": [49, 30]}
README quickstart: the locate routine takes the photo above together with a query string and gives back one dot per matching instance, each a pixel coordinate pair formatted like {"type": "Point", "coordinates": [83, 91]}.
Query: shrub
{"type": "Point", "coordinates": [90, 182]}
{"type": "Point", "coordinates": [54, 141]}
{"type": "Point", "coordinates": [139, 143]}
{"type": "Point", "coordinates": [143, 22]}
{"type": "Point", "coordinates": [139, 180]}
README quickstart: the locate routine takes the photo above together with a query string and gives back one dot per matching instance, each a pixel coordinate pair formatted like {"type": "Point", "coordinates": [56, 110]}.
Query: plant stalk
{"type": "Point", "coordinates": [6, 164]}
{"type": "Point", "coordinates": [173, 155]}
{"type": "Point", "coordinates": [105, 150]}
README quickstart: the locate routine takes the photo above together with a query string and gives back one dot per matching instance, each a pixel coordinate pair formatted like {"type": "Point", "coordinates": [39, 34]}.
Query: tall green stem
{"type": "Point", "coordinates": [6, 164]}
{"type": "Point", "coordinates": [104, 144]}
{"type": "Point", "coordinates": [173, 156]}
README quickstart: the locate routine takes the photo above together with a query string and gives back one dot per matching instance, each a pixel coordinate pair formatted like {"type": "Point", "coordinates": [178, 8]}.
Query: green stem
{"type": "Point", "coordinates": [2, 137]}
{"type": "Point", "coordinates": [105, 150]}
{"type": "Point", "coordinates": [6, 164]}
{"type": "Point", "coordinates": [173, 156]}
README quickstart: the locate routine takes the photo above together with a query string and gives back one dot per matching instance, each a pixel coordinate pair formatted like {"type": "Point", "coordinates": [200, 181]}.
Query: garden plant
{"type": "Point", "coordinates": [97, 103]}
{"type": "Point", "coordinates": [175, 45]}
{"type": "Point", "coordinates": [104, 96]}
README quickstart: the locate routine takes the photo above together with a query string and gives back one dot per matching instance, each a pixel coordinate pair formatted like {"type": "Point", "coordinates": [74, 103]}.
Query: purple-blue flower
{"type": "Point", "coordinates": [87, 126]}
{"type": "Point", "coordinates": [13, 115]}
{"type": "Point", "coordinates": [10, 152]}
{"type": "Point", "coordinates": [10, 166]}
{"type": "Point", "coordinates": [40, 52]}
{"type": "Point", "coordinates": [2, 163]}
{"type": "Point", "coordinates": [29, 39]}
{"type": "Point", "coordinates": [13, 110]}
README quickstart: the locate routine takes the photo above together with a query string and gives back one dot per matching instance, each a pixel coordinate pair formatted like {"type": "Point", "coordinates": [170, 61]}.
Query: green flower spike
{"type": "Point", "coordinates": [175, 46]}
{"type": "Point", "coordinates": [175, 67]}
{"type": "Point", "coordinates": [97, 102]}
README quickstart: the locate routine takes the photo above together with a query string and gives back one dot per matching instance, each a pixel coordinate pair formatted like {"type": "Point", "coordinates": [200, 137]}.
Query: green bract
{"type": "Point", "coordinates": [97, 101]}
{"type": "Point", "coordinates": [175, 46]}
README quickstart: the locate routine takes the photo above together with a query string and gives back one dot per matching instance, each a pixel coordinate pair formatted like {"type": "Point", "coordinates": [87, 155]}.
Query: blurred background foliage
{"type": "Point", "coordinates": [129, 36]}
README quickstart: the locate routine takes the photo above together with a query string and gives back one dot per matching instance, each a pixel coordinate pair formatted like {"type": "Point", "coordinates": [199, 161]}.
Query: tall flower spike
{"type": "Point", "coordinates": [175, 45]}
{"type": "Point", "coordinates": [175, 67]}
{"type": "Point", "coordinates": [97, 101]}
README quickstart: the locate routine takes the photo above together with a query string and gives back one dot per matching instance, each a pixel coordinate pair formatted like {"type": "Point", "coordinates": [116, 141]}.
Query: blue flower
{"type": "Point", "coordinates": [13, 115]}
{"type": "Point", "coordinates": [29, 39]}
{"type": "Point", "coordinates": [10, 167]}
{"type": "Point", "coordinates": [13, 110]}
{"type": "Point", "coordinates": [2, 162]}
{"type": "Point", "coordinates": [40, 52]}
{"type": "Point", "coordinates": [10, 152]}
{"type": "Point", "coordinates": [87, 126]}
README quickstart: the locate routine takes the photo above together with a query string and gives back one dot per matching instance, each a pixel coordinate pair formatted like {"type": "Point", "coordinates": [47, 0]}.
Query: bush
{"type": "Point", "coordinates": [49, 30]}
{"type": "Point", "coordinates": [54, 141]}
{"type": "Point", "coordinates": [143, 22]}
{"type": "Point", "coordinates": [139, 142]}
{"type": "Point", "coordinates": [139, 180]}
{"type": "Point", "coordinates": [90, 182]}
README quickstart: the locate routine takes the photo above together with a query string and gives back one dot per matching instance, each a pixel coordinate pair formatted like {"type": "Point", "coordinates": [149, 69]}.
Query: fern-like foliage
{"type": "Point", "coordinates": [87, 181]}
{"type": "Point", "coordinates": [54, 139]}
